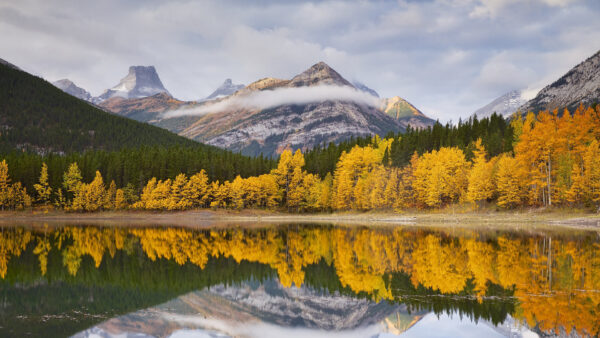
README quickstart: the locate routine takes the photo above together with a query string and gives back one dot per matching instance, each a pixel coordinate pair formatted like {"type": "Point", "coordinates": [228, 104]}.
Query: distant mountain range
{"type": "Point", "coordinates": [254, 130]}
{"type": "Point", "coordinates": [226, 89]}
{"type": "Point", "coordinates": [580, 85]}
{"type": "Point", "coordinates": [38, 117]}
{"type": "Point", "coordinates": [505, 105]}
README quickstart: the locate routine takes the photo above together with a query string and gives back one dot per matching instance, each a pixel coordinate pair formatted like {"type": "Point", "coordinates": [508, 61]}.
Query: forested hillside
{"type": "Point", "coordinates": [135, 166]}
{"type": "Point", "coordinates": [37, 116]}
{"type": "Point", "coordinates": [496, 134]}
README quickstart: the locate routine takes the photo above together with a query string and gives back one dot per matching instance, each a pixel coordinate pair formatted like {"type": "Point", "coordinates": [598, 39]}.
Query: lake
{"type": "Point", "coordinates": [297, 280]}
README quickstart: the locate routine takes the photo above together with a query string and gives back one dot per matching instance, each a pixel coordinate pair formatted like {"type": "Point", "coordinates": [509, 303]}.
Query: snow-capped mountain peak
{"type": "Point", "coordinates": [225, 89]}
{"type": "Point", "coordinates": [141, 81]}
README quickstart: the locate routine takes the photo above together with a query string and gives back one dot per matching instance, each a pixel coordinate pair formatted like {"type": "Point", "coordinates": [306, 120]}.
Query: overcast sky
{"type": "Point", "coordinates": [447, 57]}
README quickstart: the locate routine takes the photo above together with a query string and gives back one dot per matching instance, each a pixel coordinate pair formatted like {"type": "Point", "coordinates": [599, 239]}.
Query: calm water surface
{"type": "Point", "coordinates": [297, 281]}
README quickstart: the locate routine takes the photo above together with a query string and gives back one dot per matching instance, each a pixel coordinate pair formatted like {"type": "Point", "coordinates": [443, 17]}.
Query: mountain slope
{"type": "Point", "coordinates": [69, 87]}
{"type": "Point", "coordinates": [226, 89]}
{"type": "Point", "coordinates": [504, 105]}
{"type": "Point", "coordinates": [581, 84]}
{"type": "Point", "coordinates": [405, 113]}
{"type": "Point", "coordinates": [140, 82]}
{"type": "Point", "coordinates": [37, 116]}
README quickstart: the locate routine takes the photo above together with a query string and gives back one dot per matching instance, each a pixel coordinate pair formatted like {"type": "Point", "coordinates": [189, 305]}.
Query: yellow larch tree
{"type": "Point", "coordinates": [510, 182]}
{"type": "Point", "coordinates": [43, 187]}
{"type": "Point", "coordinates": [481, 185]}
{"type": "Point", "coordinates": [441, 177]}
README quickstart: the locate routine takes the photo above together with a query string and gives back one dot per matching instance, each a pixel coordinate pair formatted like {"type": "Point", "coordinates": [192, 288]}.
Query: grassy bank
{"type": "Point", "coordinates": [451, 216]}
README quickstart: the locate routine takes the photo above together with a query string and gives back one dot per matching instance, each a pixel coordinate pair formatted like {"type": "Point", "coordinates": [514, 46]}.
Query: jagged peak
{"type": "Point", "coordinates": [319, 74]}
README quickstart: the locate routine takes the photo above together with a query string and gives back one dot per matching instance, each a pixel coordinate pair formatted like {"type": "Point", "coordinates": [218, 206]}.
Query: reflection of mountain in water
{"type": "Point", "coordinates": [238, 310]}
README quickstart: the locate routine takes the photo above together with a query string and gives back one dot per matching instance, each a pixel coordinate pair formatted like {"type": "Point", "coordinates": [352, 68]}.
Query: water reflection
{"type": "Point", "coordinates": [63, 280]}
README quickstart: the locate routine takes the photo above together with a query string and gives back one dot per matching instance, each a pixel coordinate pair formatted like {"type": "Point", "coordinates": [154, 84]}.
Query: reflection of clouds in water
{"type": "Point", "coordinates": [283, 96]}
{"type": "Point", "coordinates": [225, 328]}
{"type": "Point", "coordinates": [446, 325]}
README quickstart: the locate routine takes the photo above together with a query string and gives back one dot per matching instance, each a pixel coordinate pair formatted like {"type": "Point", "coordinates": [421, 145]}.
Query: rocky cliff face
{"type": "Point", "coordinates": [581, 84]}
{"type": "Point", "coordinates": [140, 82]}
{"type": "Point", "coordinates": [505, 105]}
{"type": "Point", "coordinates": [69, 87]}
{"type": "Point", "coordinates": [226, 89]}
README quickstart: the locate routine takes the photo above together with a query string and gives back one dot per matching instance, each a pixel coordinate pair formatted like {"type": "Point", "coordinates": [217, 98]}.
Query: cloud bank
{"type": "Point", "coordinates": [447, 57]}
{"type": "Point", "coordinates": [282, 96]}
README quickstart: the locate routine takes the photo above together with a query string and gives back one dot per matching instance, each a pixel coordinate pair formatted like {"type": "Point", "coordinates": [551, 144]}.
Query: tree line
{"type": "Point", "coordinates": [555, 160]}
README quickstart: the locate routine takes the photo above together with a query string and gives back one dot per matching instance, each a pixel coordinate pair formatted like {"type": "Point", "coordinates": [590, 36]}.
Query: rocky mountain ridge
{"type": "Point", "coordinates": [254, 130]}
{"type": "Point", "coordinates": [580, 85]}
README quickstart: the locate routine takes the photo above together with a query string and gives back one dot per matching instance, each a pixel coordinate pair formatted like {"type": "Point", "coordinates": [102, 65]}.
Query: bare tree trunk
{"type": "Point", "coordinates": [548, 179]}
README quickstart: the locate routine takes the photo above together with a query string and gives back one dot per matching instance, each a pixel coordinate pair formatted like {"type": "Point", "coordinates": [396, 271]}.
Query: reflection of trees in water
{"type": "Point", "coordinates": [542, 280]}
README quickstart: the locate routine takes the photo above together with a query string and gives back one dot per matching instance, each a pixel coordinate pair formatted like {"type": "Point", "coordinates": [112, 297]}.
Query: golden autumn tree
{"type": "Point", "coordinates": [592, 173]}
{"type": "Point", "coordinates": [286, 170]}
{"type": "Point", "coordinates": [510, 182]}
{"type": "Point", "coordinates": [110, 196]}
{"type": "Point", "coordinates": [4, 185]}
{"type": "Point", "coordinates": [440, 177]}
{"type": "Point", "coordinates": [481, 185]}
{"type": "Point", "coordinates": [42, 187]}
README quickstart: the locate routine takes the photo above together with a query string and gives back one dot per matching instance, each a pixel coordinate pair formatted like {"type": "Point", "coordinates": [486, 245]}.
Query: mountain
{"type": "Point", "coordinates": [144, 109]}
{"type": "Point", "coordinates": [362, 87]}
{"type": "Point", "coordinates": [250, 310]}
{"type": "Point", "coordinates": [319, 74]}
{"type": "Point", "coordinates": [504, 105]}
{"type": "Point", "coordinates": [405, 112]}
{"type": "Point", "coordinates": [581, 84]}
{"type": "Point", "coordinates": [296, 125]}
{"type": "Point", "coordinates": [69, 87]}
{"type": "Point", "coordinates": [236, 122]}
{"type": "Point", "coordinates": [37, 116]}
{"type": "Point", "coordinates": [140, 82]}
{"type": "Point", "coordinates": [226, 89]}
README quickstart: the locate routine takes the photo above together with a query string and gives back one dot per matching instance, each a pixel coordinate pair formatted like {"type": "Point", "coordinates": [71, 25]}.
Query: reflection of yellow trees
{"type": "Point", "coordinates": [556, 281]}
{"type": "Point", "coordinates": [12, 243]}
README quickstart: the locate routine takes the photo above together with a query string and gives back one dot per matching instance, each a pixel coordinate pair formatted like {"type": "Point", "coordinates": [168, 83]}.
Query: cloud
{"type": "Point", "coordinates": [441, 55]}
{"type": "Point", "coordinates": [266, 99]}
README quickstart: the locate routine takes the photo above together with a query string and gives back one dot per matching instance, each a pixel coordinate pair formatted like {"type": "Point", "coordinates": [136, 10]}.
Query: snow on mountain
{"type": "Point", "coordinates": [504, 105]}
{"type": "Point", "coordinates": [69, 87]}
{"type": "Point", "coordinates": [141, 81]}
{"type": "Point", "coordinates": [225, 89]}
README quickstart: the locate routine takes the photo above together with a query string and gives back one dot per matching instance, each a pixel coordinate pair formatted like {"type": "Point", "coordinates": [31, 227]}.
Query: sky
{"type": "Point", "coordinates": [447, 57]}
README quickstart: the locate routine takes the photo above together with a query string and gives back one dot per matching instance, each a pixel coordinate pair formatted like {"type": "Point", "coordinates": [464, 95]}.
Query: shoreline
{"type": "Point", "coordinates": [253, 217]}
